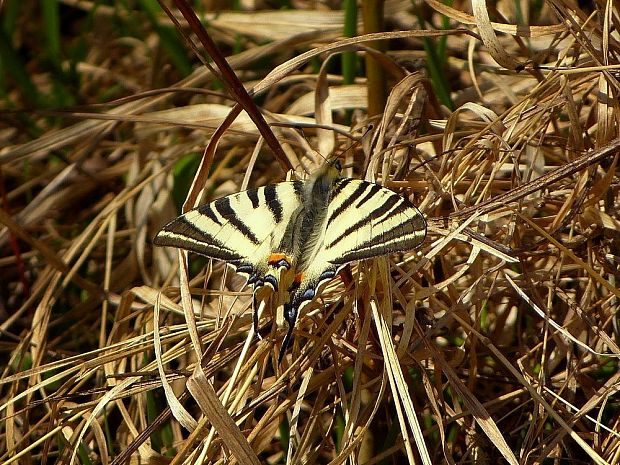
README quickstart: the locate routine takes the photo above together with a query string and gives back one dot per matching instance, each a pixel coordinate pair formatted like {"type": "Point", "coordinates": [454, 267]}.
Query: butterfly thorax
{"type": "Point", "coordinates": [310, 222]}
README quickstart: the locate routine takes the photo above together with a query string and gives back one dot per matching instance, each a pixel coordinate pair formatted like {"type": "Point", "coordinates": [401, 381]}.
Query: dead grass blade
{"type": "Point", "coordinates": [212, 408]}
{"type": "Point", "coordinates": [495, 341]}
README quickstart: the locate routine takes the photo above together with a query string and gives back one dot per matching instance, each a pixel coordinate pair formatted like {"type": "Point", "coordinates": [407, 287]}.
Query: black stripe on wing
{"type": "Point", "coordinates": [407, 234]}
{"type": "Point", "coordinates": [225, 209]}
{"type": "Point", "coordinates": [371, 193]}
{"type": "Point", "coordinates": [394, 205]}
{"type": "Point", "coordinates": [359, 190]}
{"type": "Point", "coordinates": [208, 211]}
{"type": "Point", "coordinates": [298, 187]}
{"type": "Point", "coordinates": [340, 185]}
{"type": "Point", "coordinates": [253, 196]}
{"type": "Point", "coordinates": [273, 202]}
{"type": "Point", "coordinates": [184, 234]}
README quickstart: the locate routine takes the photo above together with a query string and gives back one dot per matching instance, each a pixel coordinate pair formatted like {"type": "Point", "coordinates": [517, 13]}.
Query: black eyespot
{"type": "Point", "coordinates": [329, 274]}
{"type": "Point", "coordinates": [308, 294]}
{"type": "Point", "coordinates": [256, 281]}
{"type": "Point", "coordinates": [283, 263]}
{"type": "Point", "coordinates": [272, 281]}
{"type": "Point", "coordinates": [290, 313]}
{"type": "Point", "coordinates": [245, 269]}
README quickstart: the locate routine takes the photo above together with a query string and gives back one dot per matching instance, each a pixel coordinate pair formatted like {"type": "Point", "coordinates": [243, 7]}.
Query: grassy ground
{"type": "Point", "coordinates": [497, 341]}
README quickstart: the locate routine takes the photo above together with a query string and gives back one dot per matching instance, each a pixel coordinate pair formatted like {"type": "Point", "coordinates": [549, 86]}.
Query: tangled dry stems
{"type": "Point", "coordinates": [499, 339]}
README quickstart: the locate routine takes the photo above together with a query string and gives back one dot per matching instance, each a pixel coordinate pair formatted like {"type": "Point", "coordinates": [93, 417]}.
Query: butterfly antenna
{"type": "Point", "coordinates": [356, 141]}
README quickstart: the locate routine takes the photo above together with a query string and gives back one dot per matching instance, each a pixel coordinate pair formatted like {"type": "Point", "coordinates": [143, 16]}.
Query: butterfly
{"type": "Point", "coordinates": [299, 234]}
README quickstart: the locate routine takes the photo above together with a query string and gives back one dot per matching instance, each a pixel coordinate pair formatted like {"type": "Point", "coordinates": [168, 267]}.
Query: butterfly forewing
{"type": "Point", "coordinates": [242, 228]}
{"type": "Point", "coordinates": [366, 220]}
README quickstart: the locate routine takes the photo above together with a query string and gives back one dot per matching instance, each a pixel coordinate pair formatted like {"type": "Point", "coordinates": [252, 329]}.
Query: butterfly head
{"type": "Point", "coordinates": [323, 178]}
{"type": "Point", "coordinates": [335, 163]}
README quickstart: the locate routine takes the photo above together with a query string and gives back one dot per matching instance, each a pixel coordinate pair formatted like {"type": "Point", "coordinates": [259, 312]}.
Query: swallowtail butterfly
{"type": "Point", "coordinates": [299, 233]}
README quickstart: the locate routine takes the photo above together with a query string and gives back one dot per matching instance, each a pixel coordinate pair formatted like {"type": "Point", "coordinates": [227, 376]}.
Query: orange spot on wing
{"type": "Point", "coordinates": [274, 258]}
{"type": "Point", "coordinates": [299, 277]}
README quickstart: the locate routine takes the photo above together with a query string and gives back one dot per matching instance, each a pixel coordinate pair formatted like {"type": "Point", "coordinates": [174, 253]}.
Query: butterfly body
{"type": "Point", "coordinates": [296, 235]}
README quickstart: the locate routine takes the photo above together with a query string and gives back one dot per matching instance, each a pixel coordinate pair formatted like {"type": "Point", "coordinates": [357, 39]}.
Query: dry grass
{"type": "Point", "coordinates": [497, 341]}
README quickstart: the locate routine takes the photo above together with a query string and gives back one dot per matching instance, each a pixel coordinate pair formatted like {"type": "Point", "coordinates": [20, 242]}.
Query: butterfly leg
{"type": "Point", "coordinates": [257, 283]}
{"type": "Point", "coordinates": [255, 316]}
